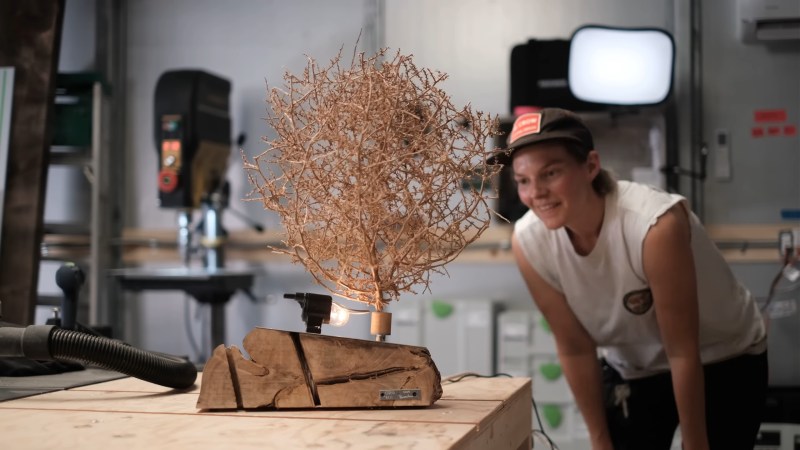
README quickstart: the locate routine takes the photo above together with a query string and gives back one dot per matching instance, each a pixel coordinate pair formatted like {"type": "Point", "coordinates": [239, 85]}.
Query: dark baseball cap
{"type": "Point", "coordinates": [544, 125]}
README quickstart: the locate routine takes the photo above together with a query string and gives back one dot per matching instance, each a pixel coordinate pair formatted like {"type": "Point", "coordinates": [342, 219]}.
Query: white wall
{"type": "Point", "coordinates": [472, 39]}
{"type": "Point", "coordinates": [78, 37]}
{"type": "Point", "coordinates": [742, 78]}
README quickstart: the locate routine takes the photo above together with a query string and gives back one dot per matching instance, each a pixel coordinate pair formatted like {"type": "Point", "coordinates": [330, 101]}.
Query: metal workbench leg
{"type": "Point", "coordinates": [217, 325]}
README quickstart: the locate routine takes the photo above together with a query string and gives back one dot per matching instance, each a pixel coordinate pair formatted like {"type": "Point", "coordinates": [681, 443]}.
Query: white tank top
{"type": "Point", "coordinates": [609, 293]}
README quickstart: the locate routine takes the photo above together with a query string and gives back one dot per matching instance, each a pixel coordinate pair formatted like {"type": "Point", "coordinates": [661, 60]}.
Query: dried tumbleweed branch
{"type": "Point", "coordinates": [366, 173]}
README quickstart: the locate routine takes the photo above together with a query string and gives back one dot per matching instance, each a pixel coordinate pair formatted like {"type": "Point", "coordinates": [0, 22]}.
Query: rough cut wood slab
{"type": "Point", "coordinates": [305, 370]}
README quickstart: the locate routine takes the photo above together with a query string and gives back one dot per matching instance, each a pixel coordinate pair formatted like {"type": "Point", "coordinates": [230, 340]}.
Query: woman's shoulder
{"type": "Point", "coordinates": [639, 201]}
{"type": "Point", "coordinates": [527, 220]}
{"type": "Point", "coordinates": [529, 223]}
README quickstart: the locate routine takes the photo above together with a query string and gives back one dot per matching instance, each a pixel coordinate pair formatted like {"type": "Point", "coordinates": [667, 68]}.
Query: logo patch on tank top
{"type": "Point", "coordinates": [638, 302]}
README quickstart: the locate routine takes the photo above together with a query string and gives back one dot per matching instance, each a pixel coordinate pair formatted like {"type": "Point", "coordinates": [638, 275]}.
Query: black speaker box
{"type": "Point", "coordinates": [539, 77]}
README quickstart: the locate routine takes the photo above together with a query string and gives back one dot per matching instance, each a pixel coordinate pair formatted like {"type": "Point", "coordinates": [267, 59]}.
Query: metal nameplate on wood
{"type": "Point", "coordinates": [400, 394]}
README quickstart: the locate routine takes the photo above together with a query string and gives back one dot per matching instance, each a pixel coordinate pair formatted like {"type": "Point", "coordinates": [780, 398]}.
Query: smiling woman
{"type": "Point", "coordinates": [556, 186]}
{"type": "Point", "coordinates": [627, 269]}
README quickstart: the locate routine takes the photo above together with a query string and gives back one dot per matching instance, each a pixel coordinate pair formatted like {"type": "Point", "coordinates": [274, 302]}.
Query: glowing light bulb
{"type": "Point", "coordinates": [339, 315]}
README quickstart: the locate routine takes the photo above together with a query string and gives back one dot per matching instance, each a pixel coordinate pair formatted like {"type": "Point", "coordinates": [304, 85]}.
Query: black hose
{"type": "Point", "coordinates": [158, 368]}
{"type": "Point", "coordinates": [47, 343]}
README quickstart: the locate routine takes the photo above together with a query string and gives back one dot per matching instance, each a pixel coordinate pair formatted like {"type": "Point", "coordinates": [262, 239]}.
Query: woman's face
{"type": "Point", "coordinates": [553, 184]}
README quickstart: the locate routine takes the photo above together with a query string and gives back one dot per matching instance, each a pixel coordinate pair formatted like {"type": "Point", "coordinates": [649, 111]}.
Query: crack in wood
{"type": "Point", "coordinates": [365, 375]}
{"type": "Point", "coordinates": [301, 355]}
{"type": "Point", "coordinates": [237, 392]}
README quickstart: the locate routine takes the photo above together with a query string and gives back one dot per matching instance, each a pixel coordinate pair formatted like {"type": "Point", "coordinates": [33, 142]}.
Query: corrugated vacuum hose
{"type": "Point", "coordinates": [47, 342]}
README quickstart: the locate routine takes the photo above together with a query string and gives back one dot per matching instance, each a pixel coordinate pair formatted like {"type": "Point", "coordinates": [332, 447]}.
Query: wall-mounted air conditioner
{"type": "Point", "coordinates": [769, 20]}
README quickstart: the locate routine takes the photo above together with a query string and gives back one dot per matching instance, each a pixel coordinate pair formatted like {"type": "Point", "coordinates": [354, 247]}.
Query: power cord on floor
{"type": "Point", "coordinates": [540, 433]}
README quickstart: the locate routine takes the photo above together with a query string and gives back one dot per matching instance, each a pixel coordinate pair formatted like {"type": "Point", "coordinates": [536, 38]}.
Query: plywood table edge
{"type": "Point", "coordinates": [505, 418]}
{"type": "Point", "coordinates": [517, 406]}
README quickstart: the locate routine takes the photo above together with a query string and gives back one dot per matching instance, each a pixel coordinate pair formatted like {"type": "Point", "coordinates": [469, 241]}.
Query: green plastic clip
{"type": "Point", "coordinates": [550, 371]}
{"type": "Point", "coordinates": [552, 415]}
{"type": "Point", "coordinates": [441, 309]}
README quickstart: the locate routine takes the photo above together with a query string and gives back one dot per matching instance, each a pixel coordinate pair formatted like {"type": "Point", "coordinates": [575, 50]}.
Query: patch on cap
{"type": "Point", "coordinates": [526, 124]}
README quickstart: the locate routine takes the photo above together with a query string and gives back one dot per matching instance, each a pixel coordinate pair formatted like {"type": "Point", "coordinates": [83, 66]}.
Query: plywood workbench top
{"type": "Point", "coordinates": [475, 413]}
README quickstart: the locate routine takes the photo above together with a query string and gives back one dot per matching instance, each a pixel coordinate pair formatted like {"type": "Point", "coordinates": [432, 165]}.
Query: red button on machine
{"type": "Point", "coordinates": [167, 180]}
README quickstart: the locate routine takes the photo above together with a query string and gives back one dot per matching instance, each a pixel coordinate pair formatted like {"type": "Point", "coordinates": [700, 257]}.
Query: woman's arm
{"type": "Point", "coordinates": [576, 351]}
{"type": "Point", "coordinates": [669, 268]}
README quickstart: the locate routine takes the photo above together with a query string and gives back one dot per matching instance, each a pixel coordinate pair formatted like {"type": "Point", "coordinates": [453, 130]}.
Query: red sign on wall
{"type": "Point", "coordinates": [769, 115]}
{"type": "Point", "coordinates": [772, 122]}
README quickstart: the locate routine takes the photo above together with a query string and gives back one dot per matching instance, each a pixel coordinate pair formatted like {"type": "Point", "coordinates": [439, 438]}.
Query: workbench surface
{"type": "Point", "coordinates": [474, 413]}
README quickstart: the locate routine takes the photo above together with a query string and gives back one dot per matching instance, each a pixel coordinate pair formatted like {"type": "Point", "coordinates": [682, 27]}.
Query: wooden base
{"type": "Point", "coordinates": [304, 370]}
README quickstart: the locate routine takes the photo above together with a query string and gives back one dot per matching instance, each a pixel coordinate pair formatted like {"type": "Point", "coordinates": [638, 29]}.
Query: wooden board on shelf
{"type": "Point", "coordinates": [755, 243]}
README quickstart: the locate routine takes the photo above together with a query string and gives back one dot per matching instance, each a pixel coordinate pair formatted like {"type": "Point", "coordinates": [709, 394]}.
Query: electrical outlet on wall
{"type": "Point", "coordinates": [722, 154]}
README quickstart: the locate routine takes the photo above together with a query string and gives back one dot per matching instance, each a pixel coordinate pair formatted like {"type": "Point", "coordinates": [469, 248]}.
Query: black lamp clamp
{"type": "Point", "coordinates": [316, 309]}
